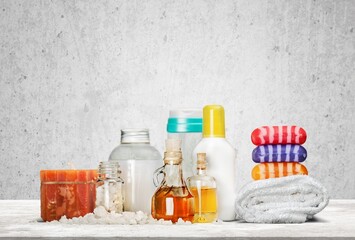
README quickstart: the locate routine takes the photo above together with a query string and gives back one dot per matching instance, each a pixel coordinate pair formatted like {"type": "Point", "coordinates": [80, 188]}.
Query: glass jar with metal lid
{"type": "Point", "coordinates": [109, 190]}
{"type": "Point", "coordinates": [138, 161]}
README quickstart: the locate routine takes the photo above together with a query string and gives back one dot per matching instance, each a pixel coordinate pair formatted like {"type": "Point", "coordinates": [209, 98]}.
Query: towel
{"type": "Point", "coordinates": [292, 199]}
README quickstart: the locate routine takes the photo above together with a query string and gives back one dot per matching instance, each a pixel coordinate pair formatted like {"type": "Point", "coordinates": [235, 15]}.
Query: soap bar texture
{"type": "Point", "coordinates": [275, 170]}
{"type": "Point", "coordinates": [278, 135]}
{"type": "Point", "coordinates": [279, 153]}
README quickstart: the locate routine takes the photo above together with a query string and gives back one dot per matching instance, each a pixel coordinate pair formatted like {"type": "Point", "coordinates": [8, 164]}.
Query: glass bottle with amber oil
{"type": "Point", "coordinates": [172, 200]}
{"type": "Point", "coordinates": [203, 188]}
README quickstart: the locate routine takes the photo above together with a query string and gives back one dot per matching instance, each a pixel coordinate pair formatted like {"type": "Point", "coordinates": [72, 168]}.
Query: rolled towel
{"type": "Point", "coordinates": [292, 199]}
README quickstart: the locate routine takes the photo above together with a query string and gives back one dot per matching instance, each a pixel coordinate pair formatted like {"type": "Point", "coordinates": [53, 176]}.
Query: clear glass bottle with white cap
{"type": "Point", "coordinates": [138, 160]}
{"type": "Point", "coordinates": [186, 124]}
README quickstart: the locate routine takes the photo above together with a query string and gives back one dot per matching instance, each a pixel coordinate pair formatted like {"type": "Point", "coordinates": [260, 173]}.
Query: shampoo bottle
{"type": "Point", "coordinates": [221, 159]}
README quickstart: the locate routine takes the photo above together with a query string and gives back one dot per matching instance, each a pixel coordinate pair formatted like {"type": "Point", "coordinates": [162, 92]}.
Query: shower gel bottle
{"type": "Point", "coordinates": [221, 159]}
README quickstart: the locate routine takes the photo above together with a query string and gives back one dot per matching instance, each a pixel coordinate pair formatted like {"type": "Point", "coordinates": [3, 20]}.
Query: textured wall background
{"type": "Point", "coordinates": [73, 73]}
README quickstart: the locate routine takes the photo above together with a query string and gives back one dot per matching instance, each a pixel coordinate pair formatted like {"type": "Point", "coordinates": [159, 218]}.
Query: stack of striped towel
{"type": "Point", "coordinates": [278, 151]}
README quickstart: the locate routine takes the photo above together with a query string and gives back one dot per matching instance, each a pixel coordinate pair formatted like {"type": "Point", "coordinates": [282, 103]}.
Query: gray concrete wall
{"type": "Point", "coordinates": [73, 73]}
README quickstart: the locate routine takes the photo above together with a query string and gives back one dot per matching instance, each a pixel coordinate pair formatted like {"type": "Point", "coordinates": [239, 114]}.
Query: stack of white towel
{"type": "Point", "coordinates": [291, 199]}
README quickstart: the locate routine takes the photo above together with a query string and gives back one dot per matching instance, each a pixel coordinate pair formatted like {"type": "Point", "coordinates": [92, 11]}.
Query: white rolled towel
{"type": "Point", "coordinates": [292, 199]}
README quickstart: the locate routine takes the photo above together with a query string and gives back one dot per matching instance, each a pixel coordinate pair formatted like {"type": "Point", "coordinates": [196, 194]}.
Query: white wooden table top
{"type": "Point", "coordinates": [20, 219]}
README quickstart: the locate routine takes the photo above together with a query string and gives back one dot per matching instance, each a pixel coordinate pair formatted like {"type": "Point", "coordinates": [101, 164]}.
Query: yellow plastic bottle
{"type": "Point", "coordinates": [220, 157]}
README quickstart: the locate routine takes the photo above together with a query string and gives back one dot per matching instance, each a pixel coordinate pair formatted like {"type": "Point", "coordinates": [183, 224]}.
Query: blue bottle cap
{"type": "Point", "coordinates": [185, 121]}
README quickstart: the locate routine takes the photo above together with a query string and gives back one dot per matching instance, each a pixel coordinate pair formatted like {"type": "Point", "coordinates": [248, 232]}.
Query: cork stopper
{"type": "Point", "coordinates": [201, 161]}
{"type": "Point", "coordinates": [173, 153]}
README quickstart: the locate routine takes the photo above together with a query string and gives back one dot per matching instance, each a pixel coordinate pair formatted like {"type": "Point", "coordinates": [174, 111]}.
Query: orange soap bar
{"type": "Point", "coordinates": [67, 192]}
{"type": "Point", "coordinates": [275, 170]}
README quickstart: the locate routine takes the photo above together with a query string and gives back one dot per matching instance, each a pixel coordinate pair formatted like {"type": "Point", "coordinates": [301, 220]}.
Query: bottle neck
{"type": "Point", "coordinates": [201, 171]}
{"type": "Point", "coordinates": [109, 170]}
{"type": "Point", "coordinates": [173, 175]}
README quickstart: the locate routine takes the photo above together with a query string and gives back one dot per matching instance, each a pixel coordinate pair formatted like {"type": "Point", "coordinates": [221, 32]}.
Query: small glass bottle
{"type": "Point", "coordinates": [172, 200]}
{"type": "Point", "coordinates": [203, 188]}
{"type": "Point", "coordinates": [109, 190]}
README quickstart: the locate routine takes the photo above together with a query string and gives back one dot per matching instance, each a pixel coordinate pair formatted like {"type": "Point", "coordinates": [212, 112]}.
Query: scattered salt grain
{"type": "Point", "coordinates": [100, 212]}
{"type": "Point", "coordinates": [132, 222]}
{"type": "Point", "coordinates": [101, 216]}
{"type": "Point", "coordinates": [63, 219]}
{"type": "Point", "coordinates": [219, 221]}
{"type": "Point", "coordinates": [182, 222]}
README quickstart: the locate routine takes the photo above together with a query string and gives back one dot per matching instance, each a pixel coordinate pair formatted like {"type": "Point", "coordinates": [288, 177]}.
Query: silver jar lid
{"type": "Point", "coordinates": [135, 135]}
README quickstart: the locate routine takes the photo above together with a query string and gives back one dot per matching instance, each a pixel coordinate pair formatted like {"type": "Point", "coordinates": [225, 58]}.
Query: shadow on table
{"type": "Point", "coordinates": [313, 220]}
{"type": "Point", "coordinates": [316, 220]}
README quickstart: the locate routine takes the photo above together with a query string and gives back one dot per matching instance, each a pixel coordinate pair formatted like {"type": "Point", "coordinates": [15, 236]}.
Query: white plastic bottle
{"type": "Point", "coordinates": [138, 160]}
{"type": "Point", "coordinates": [220, 157]}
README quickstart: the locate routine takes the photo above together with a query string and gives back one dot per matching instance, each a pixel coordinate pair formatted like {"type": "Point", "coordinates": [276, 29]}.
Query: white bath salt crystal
{"type": "Point", "coordinates": [151, 220]}
{"type": "Point", "coordinates": [218, 221]}
{"type": "Point", "coordinates": [129, 215]}
{"type": "Point", "coordinates": [63, 219]}
{"type": "Point", "coordinates": [163, 222]}
{"type": "Point", "coordinates": [100, 212]}
{"type": "Point", "coordinates": [101, 216]}
{"type": "Point", "coordinates": [89, 215]}
{"type": "Point", "coordinates": [70, 221]}
{"type": "Point", "coordinates": [182, 222]}
{"type": "Point", "coordinates": [111, 199]}
{"type": "Point", "coordinates": [111, 220]}
{"type": "Point", "coordinates": [90, 218]}
{"type": "Point", "coordinates": [132, 222]}
{"type": "Point", "coordinates": [115, 215]}
{"type": "Point", "coordinates": [101, 221]}
{"type": "Point", "coordinates": [167, 222]}
{"type": "Point", "coordinates": [122, 221]}
{"type": "Point", "coordinates": [140, 215]}
{"type": "Point", "coordinates": [83, 221]}
{"type": "Point", "coordinates": [53, 222]}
